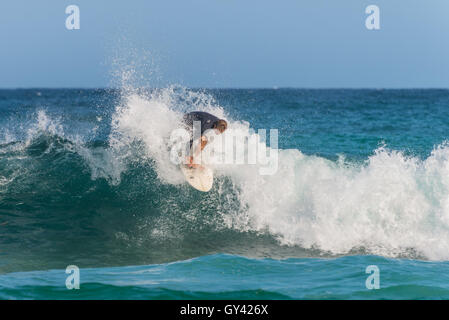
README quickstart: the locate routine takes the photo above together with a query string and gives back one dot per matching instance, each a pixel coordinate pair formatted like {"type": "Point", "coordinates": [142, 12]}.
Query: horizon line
{"type": "Point", "coordinates": [228, 88]}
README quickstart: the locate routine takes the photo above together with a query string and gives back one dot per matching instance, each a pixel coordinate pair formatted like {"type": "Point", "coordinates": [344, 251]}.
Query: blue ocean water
{"type": "Point", "coordinates": [362, 179]}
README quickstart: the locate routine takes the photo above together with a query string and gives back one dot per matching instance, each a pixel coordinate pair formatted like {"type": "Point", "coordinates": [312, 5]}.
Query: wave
{"type": "Point", "coordinates": [390, 204]}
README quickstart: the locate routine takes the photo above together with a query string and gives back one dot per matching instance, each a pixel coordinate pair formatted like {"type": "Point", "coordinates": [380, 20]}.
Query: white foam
{"type": "Point", "coordinates": [44, 124]}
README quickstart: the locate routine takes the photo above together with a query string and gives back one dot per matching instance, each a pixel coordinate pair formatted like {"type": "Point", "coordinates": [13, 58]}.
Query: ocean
{"type": "Point", "coordinates": [361, 184]}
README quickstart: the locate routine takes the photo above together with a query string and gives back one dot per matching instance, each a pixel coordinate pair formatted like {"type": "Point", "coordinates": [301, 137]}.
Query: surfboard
{"type": "Point", "coordinates": [200, 178]}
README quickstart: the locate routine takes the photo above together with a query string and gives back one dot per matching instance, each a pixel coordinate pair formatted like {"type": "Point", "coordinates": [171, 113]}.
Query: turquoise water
{"type": "Point", "coordinates": [362, 179]}
{"type": "Point", "coordinates": [234, 277]}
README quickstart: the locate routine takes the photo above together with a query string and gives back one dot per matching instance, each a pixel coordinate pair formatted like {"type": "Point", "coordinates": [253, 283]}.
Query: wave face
{"type": "Point", "coordinates": [86, 177]}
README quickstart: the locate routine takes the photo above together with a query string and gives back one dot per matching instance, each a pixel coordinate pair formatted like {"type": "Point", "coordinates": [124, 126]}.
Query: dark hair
{"type": "Point", "coordinates": [221, 125]}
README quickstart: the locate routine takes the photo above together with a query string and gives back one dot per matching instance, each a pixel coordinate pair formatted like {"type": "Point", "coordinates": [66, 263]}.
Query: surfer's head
{"type": "Point", "coordinates": [221, 125]}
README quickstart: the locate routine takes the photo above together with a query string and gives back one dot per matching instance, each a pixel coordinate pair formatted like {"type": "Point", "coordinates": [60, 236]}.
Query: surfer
{"type": "Point", "coordinates": [208, 122]}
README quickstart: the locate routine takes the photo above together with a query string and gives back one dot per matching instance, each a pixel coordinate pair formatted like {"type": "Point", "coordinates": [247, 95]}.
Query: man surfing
{"type": "Point", "coordinates": [207, 122]}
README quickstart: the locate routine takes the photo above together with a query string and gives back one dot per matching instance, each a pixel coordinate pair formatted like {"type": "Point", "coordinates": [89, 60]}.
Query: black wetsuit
{"type": "Point", "coordinates": [207, 120]}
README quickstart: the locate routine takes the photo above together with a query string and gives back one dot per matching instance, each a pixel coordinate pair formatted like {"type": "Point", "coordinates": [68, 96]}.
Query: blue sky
{"type": "Point", "coordinates": [225, 43]}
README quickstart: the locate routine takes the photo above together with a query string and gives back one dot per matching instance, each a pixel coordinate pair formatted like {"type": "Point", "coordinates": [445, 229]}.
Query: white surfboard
{"type": "Point", "coordinates": [200, 178]}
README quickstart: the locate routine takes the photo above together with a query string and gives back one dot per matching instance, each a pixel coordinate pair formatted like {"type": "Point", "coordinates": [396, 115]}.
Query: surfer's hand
{"type": "Point", "coordinates": [203, 142]}
{"type": "Point", "coordinates": [191, 164]}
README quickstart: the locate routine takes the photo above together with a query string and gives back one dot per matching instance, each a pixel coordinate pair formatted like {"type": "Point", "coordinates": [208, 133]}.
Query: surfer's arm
{"type": "Point", "coordinates": [203, 142]}
{"type": "Point", "coordinates": [200, 147]}
{"type": "Point", "coordinates": [197, 151]}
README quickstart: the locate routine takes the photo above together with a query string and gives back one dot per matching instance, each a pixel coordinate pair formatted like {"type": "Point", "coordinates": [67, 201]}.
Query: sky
{"type": "Point", "coordinates": [225, 43]}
